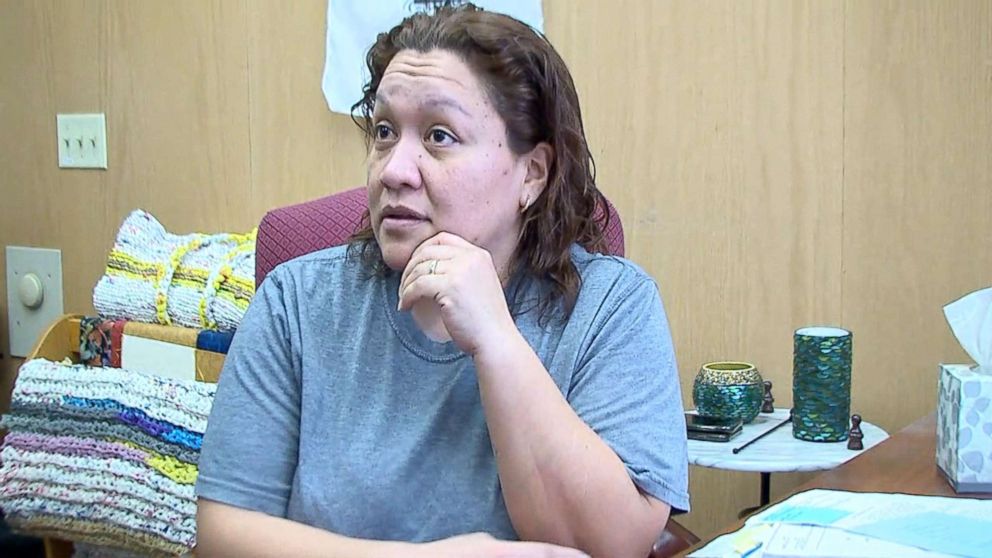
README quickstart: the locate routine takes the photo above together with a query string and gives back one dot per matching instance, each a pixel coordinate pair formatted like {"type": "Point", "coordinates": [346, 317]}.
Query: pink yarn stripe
{"type": "Point", "coordinates": [72, 445]}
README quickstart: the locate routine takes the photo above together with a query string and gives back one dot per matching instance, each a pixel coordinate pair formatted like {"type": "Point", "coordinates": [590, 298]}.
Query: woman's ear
{"type": "Point", "coordinates": [538, 168]}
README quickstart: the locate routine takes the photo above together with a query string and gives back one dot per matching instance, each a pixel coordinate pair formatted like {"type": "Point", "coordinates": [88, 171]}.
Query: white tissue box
{"type": "Point", "coordinates": [964, 427]}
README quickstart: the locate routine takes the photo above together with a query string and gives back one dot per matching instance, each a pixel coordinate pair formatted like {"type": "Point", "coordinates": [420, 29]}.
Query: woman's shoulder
{"type": "Point", "coordinates": [327, 267]}
{"type": "Point", "coordinates": [615, 274]}
{"type": "Point", "coordinates": [612, 289]}
{"type": "Point", "coordinates": [320, 260]}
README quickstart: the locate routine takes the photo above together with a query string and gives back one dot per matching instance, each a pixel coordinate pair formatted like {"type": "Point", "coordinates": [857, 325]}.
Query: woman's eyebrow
{"type": "Point", "coordinates": [441, 101]}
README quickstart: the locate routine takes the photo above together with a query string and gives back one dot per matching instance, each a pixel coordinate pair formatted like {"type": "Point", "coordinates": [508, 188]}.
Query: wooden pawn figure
{"type": "Point", "coordinates": [856, 435]}
{"type": "Point", "coordinates": [768, 402]}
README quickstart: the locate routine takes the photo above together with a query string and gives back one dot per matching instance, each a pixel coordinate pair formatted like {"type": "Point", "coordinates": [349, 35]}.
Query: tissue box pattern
{"type": "Point", "coordinates": [964, 428]}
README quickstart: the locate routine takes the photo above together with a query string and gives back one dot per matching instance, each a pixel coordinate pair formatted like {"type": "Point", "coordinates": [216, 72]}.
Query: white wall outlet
{"type": "Point", "coordinates": [82, 141]}
{"type": "Point", "coordinates": [34, 295]}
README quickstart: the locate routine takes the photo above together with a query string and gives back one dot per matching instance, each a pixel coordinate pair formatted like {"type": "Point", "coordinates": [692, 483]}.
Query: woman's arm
{"type": "Point", "coordinates": [561, 482]}
{"type": "Point", "coordinates": [224, 531]}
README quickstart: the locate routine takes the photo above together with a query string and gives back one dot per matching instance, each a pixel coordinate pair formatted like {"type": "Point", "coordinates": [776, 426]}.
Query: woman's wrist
{"type": "Point", "coordinates": [501, 350]}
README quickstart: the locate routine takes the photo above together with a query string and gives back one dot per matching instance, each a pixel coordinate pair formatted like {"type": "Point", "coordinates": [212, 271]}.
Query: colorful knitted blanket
{"type": "Point", "coordinates": [84, 458]}
{"type": "Point", "coordinates": [196, 280]}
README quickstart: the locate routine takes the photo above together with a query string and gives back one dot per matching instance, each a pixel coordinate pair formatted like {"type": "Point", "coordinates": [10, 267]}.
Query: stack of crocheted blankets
{"type": "Point", "coordinates": [105, 456]}
{"type": "Point", "coordinates": [195, 280]}
{"type": "Point", "coordinates": [104, 453]}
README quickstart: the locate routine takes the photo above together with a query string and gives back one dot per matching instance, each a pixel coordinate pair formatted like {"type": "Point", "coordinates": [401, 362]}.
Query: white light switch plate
{"type": "Point", "coordinates": [26, 325]}
{"type": "Point", "coordinates": [82, 141]}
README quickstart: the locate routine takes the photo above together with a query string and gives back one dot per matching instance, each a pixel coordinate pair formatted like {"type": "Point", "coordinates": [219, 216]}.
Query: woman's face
{"type": "Point", "coordinates": [440, 161]}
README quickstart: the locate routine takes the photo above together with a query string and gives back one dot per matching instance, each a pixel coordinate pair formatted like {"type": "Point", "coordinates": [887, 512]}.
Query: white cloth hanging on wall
{"type": "Point", "coordinates": [352, 26]}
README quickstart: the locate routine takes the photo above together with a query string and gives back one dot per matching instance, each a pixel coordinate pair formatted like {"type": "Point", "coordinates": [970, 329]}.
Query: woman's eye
{"type": "Point", "coordinates": [440, 137]}
{"type": "Point", "coordinates": [383, 132]}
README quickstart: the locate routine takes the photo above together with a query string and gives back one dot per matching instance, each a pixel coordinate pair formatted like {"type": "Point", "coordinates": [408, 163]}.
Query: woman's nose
{"type": "Point", "coordinates": [402, 166]}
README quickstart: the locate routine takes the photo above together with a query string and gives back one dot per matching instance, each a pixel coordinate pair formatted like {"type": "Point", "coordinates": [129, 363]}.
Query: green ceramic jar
{"type": "Point", "coordinates": [728, 390]}
{"type": "Point", "coordinates": [821, 384]}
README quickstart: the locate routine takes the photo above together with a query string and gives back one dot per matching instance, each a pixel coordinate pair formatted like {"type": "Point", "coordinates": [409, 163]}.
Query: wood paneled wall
{"type": "Point", "coordinates": [776, 163]}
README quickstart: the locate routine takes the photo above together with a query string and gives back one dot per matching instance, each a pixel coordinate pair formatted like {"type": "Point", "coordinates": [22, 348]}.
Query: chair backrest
{"type": "Point", "coordinates": [295, 230]}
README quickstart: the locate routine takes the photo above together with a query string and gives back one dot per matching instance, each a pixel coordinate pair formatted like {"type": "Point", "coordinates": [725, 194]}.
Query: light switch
{"type": "Point", "coordinates": [82, 141]}
{"type": "Point", "coordinates": [34, 295]}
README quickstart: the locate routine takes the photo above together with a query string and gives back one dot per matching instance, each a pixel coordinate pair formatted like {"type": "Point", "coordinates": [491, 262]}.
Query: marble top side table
{"type": "Point", "coordinates": [779, 452]}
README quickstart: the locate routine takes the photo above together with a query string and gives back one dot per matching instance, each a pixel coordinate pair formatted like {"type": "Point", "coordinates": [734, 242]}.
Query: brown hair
{"type": "Point", "coordinates": [532, 91]}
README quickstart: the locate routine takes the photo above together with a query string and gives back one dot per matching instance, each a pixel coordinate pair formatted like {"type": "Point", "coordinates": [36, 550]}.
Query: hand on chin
{"type": "Point", "coordinates": [453, 289]}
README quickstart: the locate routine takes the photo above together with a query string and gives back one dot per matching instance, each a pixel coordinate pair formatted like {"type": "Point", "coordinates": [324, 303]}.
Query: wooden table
{"type": "Point", "coordinates": [905, 463]}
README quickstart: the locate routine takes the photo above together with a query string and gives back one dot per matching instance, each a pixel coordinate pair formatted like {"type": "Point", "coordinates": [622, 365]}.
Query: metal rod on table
{"type": "Point", "coordinates": [781, 424]}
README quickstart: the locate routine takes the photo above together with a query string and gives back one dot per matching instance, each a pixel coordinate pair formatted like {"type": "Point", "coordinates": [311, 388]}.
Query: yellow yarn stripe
{"type": "Point", "coordinates": [234, 285]}
{"type": "Point", "coordinates": [125, 265]}
{"type": "Point", "coordinates": [145, 270]}
{"type": "Point", "coordinates": [179, 471]}
{"type": "Point", "coordinates": [234, 290]}
{"type": "Point", "coordinates": [182, 473]}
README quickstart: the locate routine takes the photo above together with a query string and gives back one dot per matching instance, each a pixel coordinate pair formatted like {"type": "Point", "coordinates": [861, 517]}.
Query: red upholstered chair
{"type": "Point", "coordinates": [295, 230]}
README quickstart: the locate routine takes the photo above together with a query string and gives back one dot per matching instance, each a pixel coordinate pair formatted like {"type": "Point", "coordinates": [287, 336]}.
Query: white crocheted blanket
{"type": "Point", "coordinates": [196, 280]}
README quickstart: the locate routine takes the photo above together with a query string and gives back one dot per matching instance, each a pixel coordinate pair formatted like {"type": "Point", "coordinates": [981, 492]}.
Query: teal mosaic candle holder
{"type": "Point", "coordinates": [821, 384]}
{"type": "Point", "coordinates": [728, 390]}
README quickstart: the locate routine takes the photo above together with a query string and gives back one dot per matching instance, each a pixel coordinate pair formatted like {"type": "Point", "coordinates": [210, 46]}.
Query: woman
{"type": "Point", "coordinates": [463, 366]}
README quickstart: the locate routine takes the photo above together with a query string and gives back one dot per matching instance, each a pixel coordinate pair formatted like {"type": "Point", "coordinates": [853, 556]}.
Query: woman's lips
{"type": "Point", "coordinates": [400, 223]}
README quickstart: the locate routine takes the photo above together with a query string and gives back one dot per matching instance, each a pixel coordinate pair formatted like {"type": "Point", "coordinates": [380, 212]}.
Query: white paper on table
{"type": "Point", "coordinates": [789, 540]}
{"type": "Point", "coordinates": [352, 27]}
{"type": "Point", "coordinates": [961, 526]}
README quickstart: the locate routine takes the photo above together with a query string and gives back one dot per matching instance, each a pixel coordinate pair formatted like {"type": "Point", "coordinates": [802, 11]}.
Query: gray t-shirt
{"type": "Point", "coordinates": [334, 410]}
